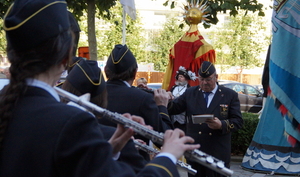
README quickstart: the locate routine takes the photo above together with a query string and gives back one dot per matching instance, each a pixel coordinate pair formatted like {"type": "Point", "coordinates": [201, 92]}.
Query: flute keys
{"type": "Point", "coordinates": [209, 160]}
{"type": "Point", "coordinates": [199, 153]}
{"type": "Point", "coordinates": [220, 164]}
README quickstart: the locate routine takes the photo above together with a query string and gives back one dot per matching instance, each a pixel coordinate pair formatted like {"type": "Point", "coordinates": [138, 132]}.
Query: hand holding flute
{"type": "Point", "coordinates": [173, 137]}
{"type": "Point", "coordinates": [174, 140]}
{"type": "Point", "coordinates": [123, 134]}
{"type": "Point", "coordinates": [153, 151]}
{"type": "Point", "coordinates": [175, 143]}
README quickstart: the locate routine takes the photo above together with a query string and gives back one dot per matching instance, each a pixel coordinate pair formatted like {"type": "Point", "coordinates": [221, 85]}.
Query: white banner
{"type": "Point", "coordinates": [129, 7]}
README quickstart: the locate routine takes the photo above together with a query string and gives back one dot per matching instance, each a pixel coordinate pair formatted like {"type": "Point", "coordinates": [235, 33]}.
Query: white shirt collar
{"type": "Point", "coordinates": [214, 90]}
{"type": "Point", "coordinates": [44, 86]}
{"type": "Point", "coordinates": [126, 83]}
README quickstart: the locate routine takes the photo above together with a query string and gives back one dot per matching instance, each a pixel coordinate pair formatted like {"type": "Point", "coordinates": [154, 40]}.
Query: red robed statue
{"type": "Point", "coordinates": [191, 50]}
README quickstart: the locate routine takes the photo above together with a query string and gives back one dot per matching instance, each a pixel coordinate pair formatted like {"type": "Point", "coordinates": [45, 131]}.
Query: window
{"type": "Point", "coordinates": [239, 89]}
{"type": "Point", "coordinates": [252, 91]}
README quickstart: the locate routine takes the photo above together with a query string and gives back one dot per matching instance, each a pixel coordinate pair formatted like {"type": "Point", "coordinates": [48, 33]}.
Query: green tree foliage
{"type": "Point", "coordinates": [241, 41]}
{"type": "Point", "coordinates": [112, 35]}
{"type": "Point", "coordinates": [241, 139]}
{"type": "Point", "coordinates": [102, 8]}
{"type": "Point", "coordinates": [2, 41]}
{"type": "Point", "coordinates": [223, 6]}
{"type": "Point", "coordinates": [4, 5]}
{"type": "Point", "coordinates": [78, 8]}
{"type": "Point", "coordinates": [162, 42]}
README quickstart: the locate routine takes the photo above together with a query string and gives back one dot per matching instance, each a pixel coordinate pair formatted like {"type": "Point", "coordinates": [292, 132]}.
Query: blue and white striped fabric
{"type": "Point", "coordinates": [285, 62]}
{"type": "Point", "coordinates": [275, 145]}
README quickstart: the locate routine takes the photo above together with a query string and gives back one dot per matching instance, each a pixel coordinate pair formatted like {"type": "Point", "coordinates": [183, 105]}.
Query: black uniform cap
{"type": "Point", "coordinates": [73, 23]}
{"type": "Point", "coordinates": [28, 23]}
{"type": "Point", "coordinates": [120, 59]}
{"type": "Point", "coordinates": [87, 77]}
{"type": "Point", "coordinates": [184, 73]}
{"type": "Point", "coordinates": [206, 69]}
{"type": "Point", "coordinates": [73, 62]}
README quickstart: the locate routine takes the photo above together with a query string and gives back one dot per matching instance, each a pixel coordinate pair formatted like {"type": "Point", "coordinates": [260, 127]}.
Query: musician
{"type": "Point", "coordinates": [6, 72]}
{"type": "Point", "coordinates": [121, 69]}
{"type": "Point", "coordinates": [181, 84]}
{"type": "Point", "coordinates": [39, 135]}
{"type": "Point", "coordinates": [74, 26]}
{"type": "Point", "coordinates": [86, 77]}
{"type": "Point", "coordinates": [141, 82]}
{"type": "Point", "coordinates": [215, 134]}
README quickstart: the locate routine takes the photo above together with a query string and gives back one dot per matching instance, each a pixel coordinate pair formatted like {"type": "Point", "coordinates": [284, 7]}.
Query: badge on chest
{"type": "Point", "coordinates": [224, 110]}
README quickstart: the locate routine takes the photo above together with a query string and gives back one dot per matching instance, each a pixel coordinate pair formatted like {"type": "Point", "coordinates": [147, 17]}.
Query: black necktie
{"type": "Point", "coordinates": [206, 96]}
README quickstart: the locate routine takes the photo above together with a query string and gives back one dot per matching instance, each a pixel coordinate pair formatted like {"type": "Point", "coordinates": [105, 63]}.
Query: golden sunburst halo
{"type": "Point", "coordinates": [195, 12]}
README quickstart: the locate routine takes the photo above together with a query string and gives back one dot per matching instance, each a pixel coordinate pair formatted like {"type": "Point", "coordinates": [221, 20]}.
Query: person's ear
{"type": "Point", "coordinates": [65, 62]}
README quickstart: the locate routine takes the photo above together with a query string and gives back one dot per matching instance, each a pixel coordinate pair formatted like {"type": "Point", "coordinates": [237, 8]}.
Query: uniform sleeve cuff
{"type": "Point", "coordinates": [169, 155]}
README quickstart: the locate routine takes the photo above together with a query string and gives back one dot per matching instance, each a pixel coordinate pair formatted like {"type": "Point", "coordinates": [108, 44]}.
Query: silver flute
{"type": "Point", "coordinates": [193, 155]}
{"type": "Point", "coordinates": [152, 151]}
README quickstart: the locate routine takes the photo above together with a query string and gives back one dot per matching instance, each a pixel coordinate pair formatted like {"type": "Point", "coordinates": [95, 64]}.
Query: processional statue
{"type": "Point", "coordinates": [191, 50]}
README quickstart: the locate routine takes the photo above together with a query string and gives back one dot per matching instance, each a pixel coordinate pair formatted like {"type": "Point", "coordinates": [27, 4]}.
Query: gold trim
{"type": "Point", "coordinates": [23, 22]}
{"type": "Point", "coordinates": [112, 57]}
{"type": "Point", "coordinates": [206, 69]}
{"type": "Point", "coordinates": [71, 66]}
{"type": "Point", "coordinates": [164, 114]}
{"type": "Point", "coordinates": [227, 125]}
{"type": "Point", "coordinates": [59, 84]}
{"type": "Point", "coordinates": [87, 76]}
{"type": "Point", "coordinates": [160, 166]}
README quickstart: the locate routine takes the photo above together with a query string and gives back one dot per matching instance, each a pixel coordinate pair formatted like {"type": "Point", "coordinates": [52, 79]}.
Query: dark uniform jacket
{"type": "Point", "coordinates": [129, 153]}
{"type": "Point", "coordinates": [124, 99]}
{"type": "Point", "coordinates": [47, 138]}
{"type": "Point", "coordinates": [225, 105]}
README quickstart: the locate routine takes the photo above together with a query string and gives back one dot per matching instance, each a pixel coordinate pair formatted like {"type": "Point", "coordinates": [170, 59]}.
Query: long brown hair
{"type": "Point", "coordinates": [27, 64]}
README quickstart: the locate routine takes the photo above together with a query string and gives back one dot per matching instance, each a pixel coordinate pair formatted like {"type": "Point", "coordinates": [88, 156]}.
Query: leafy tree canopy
{"type": "Point", "coordinates": [78, 7]}
{"type": "Point", "coordinates": [223, 6]}
{"type": "Point", "coordinates": [241, 41]}
{"type": "Point", "coordinates": [162, 42]}
{"type": "Point", "coordinates": [113, 34]}
{"type": "Point", "coordinates": [103, 9]}
{"type": "Point", "coordinates": [215, 6]}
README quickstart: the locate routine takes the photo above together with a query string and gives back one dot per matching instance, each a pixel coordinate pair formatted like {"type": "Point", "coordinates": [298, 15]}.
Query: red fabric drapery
{"type": "Point", "coordinates": [190, 51]}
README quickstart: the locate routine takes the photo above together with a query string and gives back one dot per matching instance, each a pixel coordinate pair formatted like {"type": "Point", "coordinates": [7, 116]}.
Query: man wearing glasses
{"type": "Point", "coordinates": [222, 104]}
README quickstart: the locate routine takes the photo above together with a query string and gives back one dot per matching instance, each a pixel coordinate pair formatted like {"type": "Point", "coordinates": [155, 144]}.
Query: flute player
{"type": "Point", "coordinates": [39, 136]}
{"type": "Point", "coordinates": [215, 134]}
